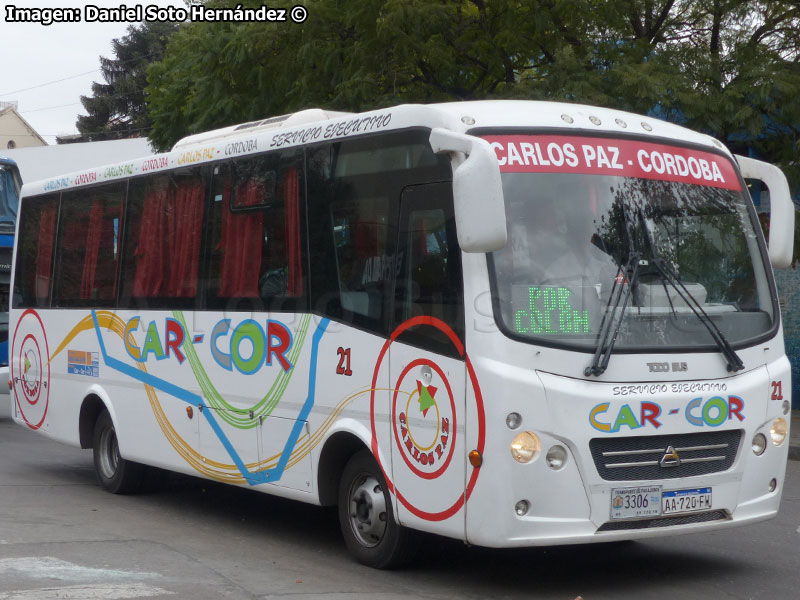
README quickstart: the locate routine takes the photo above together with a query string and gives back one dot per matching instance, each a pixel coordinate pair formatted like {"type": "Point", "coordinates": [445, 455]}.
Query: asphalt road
{"type": "Point", "coordinates": [62, 537]}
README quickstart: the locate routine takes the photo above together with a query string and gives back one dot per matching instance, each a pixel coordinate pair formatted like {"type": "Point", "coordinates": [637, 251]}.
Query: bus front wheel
{"type": "Point", "coordinates": [366, 517]}
{"type": "Point", "coordinates": [115, 474]}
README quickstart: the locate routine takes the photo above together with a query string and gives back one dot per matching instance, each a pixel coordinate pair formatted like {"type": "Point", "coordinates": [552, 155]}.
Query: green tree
{"type": "Point", "coordinates": [117, 108]}
{"type": "Point", "coordinates": [726, 67]}
{"type": "Point", "coordinates": [346, 56]}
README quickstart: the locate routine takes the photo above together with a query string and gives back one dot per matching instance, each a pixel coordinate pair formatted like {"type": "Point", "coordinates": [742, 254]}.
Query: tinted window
{"type": "Point", "coordinates": [255, 256]}
{"type": "Point", "coordinates": [429, 270]}
{"type": "Point", "coordinates": [87, 256]}
{"type": "Point", "coordinates": [163, 239]}
{"type": "Point", "coordinates": [37, 235]}
{"type": "Point", "coordinates": [354, 192]}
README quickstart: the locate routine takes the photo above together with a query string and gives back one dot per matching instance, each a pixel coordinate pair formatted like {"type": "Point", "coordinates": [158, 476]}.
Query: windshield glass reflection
{"type": "Point", "coordinates": [572, 237]}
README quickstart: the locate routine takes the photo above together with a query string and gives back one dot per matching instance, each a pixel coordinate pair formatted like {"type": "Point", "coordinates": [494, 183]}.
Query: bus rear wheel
{"type": "Point", "coordinates": [115, 474]}
{"type": "Point", "coordinates": [370, 531]}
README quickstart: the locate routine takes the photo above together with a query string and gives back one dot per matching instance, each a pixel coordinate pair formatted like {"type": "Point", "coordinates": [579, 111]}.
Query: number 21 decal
{"type": "Point", "coordinates": [777, 392]}
{"type": "Point", "coordinates": [343, 368]}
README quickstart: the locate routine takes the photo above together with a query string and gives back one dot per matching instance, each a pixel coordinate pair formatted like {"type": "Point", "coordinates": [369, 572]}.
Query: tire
{"type": "Point", "coordinates": [371, 533]}
{"type": "Point", "coordinates": [114, 473]}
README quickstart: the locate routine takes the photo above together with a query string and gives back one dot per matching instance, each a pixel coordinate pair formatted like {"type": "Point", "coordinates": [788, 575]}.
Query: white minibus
{"type": "Point", "coordinates": [507, 322]}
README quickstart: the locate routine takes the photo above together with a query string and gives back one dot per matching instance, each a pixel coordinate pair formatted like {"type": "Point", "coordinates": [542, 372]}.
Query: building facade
{"type": "Point", "coordinates": [16, 132]}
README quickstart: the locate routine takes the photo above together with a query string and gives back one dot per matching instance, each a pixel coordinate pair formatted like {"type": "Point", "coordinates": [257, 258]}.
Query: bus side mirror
{"type": "Point", "coordinates": [477, 190]}
{"type": "Point", "coordinates": [781, 218]}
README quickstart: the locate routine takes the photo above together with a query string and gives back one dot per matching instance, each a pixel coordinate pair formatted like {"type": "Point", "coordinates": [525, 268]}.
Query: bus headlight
{"type": "Point", "coordinates": [778, 431]}
{"type": "Point", "coordinates": [525, 447]}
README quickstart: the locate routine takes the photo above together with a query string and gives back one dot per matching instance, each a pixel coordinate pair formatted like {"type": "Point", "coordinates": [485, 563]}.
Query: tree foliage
{"type": "Point", "coordinates": [730, 68]}
{"type": "Point", "coordinates": [117, 108]}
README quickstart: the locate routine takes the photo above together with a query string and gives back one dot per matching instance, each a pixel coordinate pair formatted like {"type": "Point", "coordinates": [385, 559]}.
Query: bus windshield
{"type": "Point", "coordinates": [9, 197]}
{"type": "Point", "coordinates": [674, 245]}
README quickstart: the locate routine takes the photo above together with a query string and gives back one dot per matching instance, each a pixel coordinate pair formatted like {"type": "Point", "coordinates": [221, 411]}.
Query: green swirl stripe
{"type": "Point", "coordinates": [240, 417]}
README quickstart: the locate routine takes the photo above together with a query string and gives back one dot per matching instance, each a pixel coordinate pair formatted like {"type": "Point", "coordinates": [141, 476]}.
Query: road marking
{"type": "Point", "coordinates": [88, 592]}
{"type": "Point", "coordinates": [36, 567]}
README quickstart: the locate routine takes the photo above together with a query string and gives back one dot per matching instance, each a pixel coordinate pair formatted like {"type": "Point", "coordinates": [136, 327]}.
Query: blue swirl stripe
{"type": "Point", "coordinates": [253, 478]}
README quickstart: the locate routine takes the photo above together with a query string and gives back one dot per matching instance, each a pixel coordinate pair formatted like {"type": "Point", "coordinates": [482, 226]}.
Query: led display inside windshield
{"type": "Point", "coordinates": [548, 310]}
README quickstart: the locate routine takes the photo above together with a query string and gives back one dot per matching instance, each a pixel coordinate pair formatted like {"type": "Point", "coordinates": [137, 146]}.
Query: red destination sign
{"type": "Point", "coordinates": [606, 156]}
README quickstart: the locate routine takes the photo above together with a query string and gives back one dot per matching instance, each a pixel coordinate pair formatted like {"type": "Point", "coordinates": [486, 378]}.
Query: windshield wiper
{"type": "Point", "coordinates": [668, 275]}
{"type": "Point", "coordinates": [607, 336]}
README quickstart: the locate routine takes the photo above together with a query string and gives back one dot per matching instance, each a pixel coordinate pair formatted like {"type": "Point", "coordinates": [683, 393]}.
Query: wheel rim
{"type": "Point", "coordinates": [367, 509]}
{"type": "Point", "coordinates": [109, 453]}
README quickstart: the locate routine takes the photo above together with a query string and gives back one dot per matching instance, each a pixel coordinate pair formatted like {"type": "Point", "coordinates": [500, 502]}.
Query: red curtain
{"type": "Point", "coordinates": [168, 245]}
{"type": "Point", "coordinates": [291, 196]}
{"type": "Point", "coordinates": [241, 243]}
{"type": "Point", "coordinates": [365, 238]}
{"type": "Point", "coordinates": [44, 252]}
{"type": "Point", "coordinates": [184, 239]}
{"type": "Point", "coordinates": [151, 249]}
{"type": "Point", "coordinates": [93, 235]}
{"type": "Point", "coordinates": [420, 231]}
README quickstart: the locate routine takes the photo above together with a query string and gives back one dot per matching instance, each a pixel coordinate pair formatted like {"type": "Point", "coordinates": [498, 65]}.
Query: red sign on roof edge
{"type": "Point", "coordinates": [608, 156]}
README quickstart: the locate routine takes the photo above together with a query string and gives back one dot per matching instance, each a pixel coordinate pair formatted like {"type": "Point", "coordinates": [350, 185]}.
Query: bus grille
{"type": "Point", "coordinates": [640, 458]}
{"type": "Point", "coordinates": [705, 517]}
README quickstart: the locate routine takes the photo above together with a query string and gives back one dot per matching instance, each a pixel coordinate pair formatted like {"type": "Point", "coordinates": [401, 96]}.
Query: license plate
{"type": "Point", "coordinates": [629, 503]}
{"type": "Point", "coordinates": [684, 501]}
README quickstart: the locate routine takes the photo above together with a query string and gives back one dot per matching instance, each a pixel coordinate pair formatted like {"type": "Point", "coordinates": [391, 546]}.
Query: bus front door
{"type": "Point", "coordinates": [427, 367]}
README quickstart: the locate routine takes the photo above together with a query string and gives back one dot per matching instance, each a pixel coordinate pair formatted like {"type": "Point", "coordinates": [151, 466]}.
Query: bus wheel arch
{"type": "Point", "coordinates": [114, 473]}
{"type": "Point", "coordinates": [337, 450]}
{"type": "Point", "coordinates": [91, 407]}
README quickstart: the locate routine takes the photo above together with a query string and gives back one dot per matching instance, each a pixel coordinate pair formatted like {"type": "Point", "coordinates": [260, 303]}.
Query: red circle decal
{"type": "Point", "coordinates": [413, 456]}
{"type": "Point", "coordinates": [30, 370]}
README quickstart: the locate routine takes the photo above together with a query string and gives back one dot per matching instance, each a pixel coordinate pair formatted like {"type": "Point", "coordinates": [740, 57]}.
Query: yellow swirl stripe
{"type": "Point", "coordinates": [218, 471]}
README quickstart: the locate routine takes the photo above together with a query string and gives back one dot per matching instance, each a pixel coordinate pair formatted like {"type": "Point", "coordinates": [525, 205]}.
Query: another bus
{"type": "Point", "coordinates": [10, 184]}
{"type": "Point", "coordinates": [511, 323]}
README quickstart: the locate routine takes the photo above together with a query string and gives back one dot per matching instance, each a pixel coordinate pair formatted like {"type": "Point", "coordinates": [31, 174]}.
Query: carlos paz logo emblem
{"type": "Point", "coordinates": [424, 423]}
{"type": "Point", "coordinates": [30, 369]}
{"type": "Point", "coordinates": [31, 377]}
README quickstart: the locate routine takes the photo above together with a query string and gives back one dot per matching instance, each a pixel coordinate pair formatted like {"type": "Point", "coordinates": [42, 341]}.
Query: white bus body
{"type": "Point", "coordinates": [417, 384]}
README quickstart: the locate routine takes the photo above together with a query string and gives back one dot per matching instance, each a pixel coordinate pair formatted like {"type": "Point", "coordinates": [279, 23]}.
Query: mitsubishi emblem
{"type": "Point", "coordinates": [670, 458]}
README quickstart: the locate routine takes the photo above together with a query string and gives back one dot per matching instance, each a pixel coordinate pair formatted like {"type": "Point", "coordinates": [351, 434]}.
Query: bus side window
{"type": "Point", "coordinates": [88, 249]}
{"type": "Point", "coordinates": [254, 247]}
{"type": "Point", "coordinates": [429, 279]}
{"type": "Point", "coordinates": [360, 228]}
{"type": "Point", "coordinates": [351, 235]}
{"type": "Point", "coordinates": [37, 240]}
{"type": "Point", "coordinates": [354, 187]}
{"type": "Point", "coordinates": [163, 240]}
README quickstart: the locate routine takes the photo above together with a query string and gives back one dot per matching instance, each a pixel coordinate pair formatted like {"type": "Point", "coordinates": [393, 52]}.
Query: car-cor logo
{"type": "Point", "coordinates": [700, 412]}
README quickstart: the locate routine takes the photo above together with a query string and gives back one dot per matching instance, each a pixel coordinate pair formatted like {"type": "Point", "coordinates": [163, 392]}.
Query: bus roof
{"type": "Point", "coordinates": [316, 125]}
